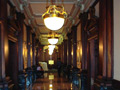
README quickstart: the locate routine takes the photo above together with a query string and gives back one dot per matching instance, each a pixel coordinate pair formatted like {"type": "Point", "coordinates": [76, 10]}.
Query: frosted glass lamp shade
{"type": "Point", "coordinates": [54, 23]}
{"type": "Point", "coordinates": [53, 40]}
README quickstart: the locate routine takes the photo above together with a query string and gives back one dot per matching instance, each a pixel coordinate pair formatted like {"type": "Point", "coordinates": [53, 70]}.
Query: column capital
{"type": "Point", "coordinates": [20, 16]}
{"type": "Point", "coordinates": [33, 34]}
{"type": "Point", "coordinates": [28, 28]}
{"type": "Point", "coordinates": [83, 15]}
{"type": "Point", "coordinates": [74, 28]}
{"type": "Point", "coordinates": [69, 35]}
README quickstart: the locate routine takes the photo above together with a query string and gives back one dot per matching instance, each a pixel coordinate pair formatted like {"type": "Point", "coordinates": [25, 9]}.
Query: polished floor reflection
{"type": "Point", "coordinates": [52, 82]}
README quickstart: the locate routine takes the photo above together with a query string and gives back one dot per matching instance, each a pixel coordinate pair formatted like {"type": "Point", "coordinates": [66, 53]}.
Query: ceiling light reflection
{"type": "Point", "coordinates": [51, 77]}
{"type": "Point", "coordinates": [50, 85]}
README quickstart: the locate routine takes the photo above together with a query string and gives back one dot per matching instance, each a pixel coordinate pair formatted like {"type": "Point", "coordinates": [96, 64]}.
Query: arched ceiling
{"type": "Point", "coordinates": [33, 10]}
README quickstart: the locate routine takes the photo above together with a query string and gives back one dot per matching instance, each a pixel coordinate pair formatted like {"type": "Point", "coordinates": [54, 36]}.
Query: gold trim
{"type": "Point", "coordinates": [53, 15]}
{"type": "Point", "coordinates": [55, 11]}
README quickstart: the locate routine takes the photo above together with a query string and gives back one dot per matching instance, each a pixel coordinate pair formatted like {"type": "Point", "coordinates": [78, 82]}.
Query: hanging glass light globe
{"type": "Point", "coordinates": [50, 52]}
{"type": "Point", "coordinates": [51, 49]}
{"type": "Point", "coordinates": [53, 40]}
{"type": "Point", "coordinates": [54, 17]}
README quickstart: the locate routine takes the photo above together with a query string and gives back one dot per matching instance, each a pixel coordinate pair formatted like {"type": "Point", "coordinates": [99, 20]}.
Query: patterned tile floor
{"type": "Point", "coordinates": [51, 81]}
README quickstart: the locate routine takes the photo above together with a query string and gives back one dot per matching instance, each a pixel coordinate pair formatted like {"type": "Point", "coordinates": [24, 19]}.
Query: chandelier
{"type": "Point", "coordinates": [54, 17]}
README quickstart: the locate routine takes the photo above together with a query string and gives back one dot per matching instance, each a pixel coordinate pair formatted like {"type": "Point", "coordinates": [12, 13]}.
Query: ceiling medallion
{"type": "Point", "coordinates": [54, 17]}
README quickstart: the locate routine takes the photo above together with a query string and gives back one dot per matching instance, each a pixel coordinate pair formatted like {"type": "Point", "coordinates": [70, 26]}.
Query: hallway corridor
{"type": "Point", "coordinates": [80, 38]}
{"type": "Point", "coordinates": [51, 81]}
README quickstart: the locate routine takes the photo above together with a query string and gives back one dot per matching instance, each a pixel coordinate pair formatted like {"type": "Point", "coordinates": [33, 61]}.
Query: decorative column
{"type": "Point", "coordinates": [28, 46]}
{"type": "Point", "coordinates": [65, 51]}
{"type": "Point", "coordinates": [37, 50]}
{"type": "Point", "coordinates": [59, 52]}
{"type": "Point", "coordinates": [83, 18]}
{"type": "Point", "coordinates": [21, 74]}
{"type": "Point", "coordinates": [33, 57]}
{"type": "Point", "coordinates": [36, 57]}
{"type": "Point", "coordinates": [3, 43]}
{"type": "Point", "coordinates": [69, 56]}
{"type": "Point", "coordinates": [62, 55]}
{"type": "Point", "coordinates": [20, 18]}
{"type": "Point", "coordinates": [74, 32]}
{"type": "Point", "coordinates": [29, 68]}
{"type": "Point", "coordinates": [33, 49]}
{"type": "Point", "coordinates": [84, 79]}
{"type": "Point", "coordinates": [106, 37]}
{"type": "Point", "coordinates": [106, 44]}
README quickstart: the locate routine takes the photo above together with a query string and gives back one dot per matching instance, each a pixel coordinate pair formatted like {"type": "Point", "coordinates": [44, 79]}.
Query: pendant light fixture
{"type": "Point", "coordinates": [53, 39]}
{"type": "Point", "coordinates": [54, 17]}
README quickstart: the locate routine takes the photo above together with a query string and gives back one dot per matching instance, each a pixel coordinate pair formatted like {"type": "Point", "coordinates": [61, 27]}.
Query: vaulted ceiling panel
{"type": "Point", "coordinates": [39, 21]}
{"type": "Point", "coordinates": [68, 8]}
{"type": "Point", "coordinates": [38, 8]}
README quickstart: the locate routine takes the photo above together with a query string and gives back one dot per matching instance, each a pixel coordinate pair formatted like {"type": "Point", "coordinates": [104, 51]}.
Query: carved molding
{"type": "Point", "coordinates": [91, 22]}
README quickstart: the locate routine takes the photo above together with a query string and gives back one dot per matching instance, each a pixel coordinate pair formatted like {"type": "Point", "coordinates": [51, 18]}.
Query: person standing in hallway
{"type": "Point", "coordinates": [59, 66]}
{"type": "Point", "coordinates": [68, 71]}
{"type": "Point", "coordinates": [40, 71]}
